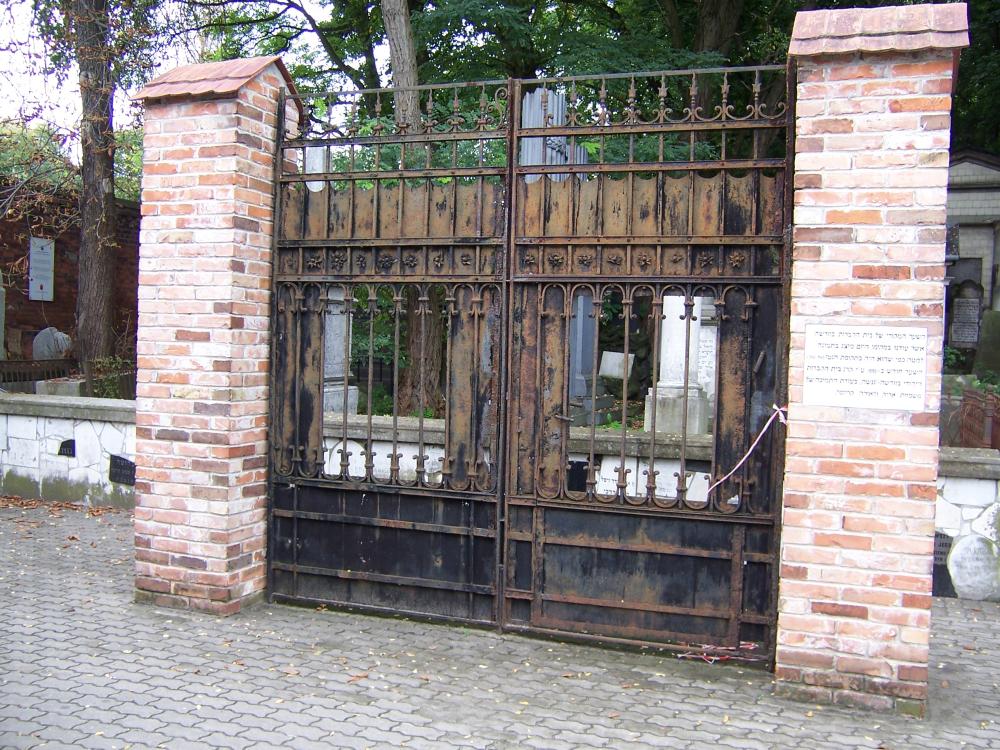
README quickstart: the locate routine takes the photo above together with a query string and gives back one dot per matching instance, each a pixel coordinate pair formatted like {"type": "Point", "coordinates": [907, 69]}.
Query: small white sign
{"type": "Point", "coordinates": [870, 367]}
{"type": "Point", "coordinates": [41, 269]}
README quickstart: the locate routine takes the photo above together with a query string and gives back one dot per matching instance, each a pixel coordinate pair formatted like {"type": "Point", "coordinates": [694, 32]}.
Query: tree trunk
{"type": "Point", "coordinates": [97, 197]}
{"type": "Point", "coordinates": [420, 387]}
{"type": "Point", "coordinates": [718, 24]}
{"type": "Point", "coordinates": [403, 56]}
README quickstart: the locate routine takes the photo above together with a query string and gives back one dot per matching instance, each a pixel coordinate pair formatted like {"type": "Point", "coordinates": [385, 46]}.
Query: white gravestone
{"type": "Point", "coordinates": [974, 566]}
{"type": "Point", "coordinates": [868, 367]}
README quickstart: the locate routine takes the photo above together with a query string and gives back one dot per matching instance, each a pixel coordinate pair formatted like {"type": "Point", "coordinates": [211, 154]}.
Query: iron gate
{"type": "Point", "coordinates": [573, 291]}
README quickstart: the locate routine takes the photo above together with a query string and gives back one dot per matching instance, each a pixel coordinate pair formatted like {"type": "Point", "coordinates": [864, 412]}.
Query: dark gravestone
{"type": "Point", "coordinates": [988, 353]}
{"type": "Point", "coordinates": [942, 578]}
{"type": "Point", "coordinates": [121, 471]}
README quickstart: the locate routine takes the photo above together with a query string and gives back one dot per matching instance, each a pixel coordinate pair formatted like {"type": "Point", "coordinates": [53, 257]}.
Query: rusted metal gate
{"type": "Point", "coordinates": [540, 454]}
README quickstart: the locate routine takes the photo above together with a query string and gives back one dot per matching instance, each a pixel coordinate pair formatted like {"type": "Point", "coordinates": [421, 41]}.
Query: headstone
{"type": "Point", "coordinates": [613, 365]}
{"type": "Point", "coordinates": [974, 565]}
{"type": "Point", "coordinates": [50, 343]}
{"type": "Point", "coordinates": [677, 402]}
{"type": "Point", "coordinates": [581, 344]}
{"type": "Point", "coordinates": [545, 108]}
{"type": "Point", "coordinates": [336, 353]}
{"type": "Point", "coordinates": [988, 352]}
{"type": "Point", "coordinates": [964, 308]}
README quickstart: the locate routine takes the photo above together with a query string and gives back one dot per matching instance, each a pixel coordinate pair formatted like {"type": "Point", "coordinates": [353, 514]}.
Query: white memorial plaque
{"type": "Point", "coordinates": [41, 269]}
{"type": "Point", "coordinates": [871, 367]}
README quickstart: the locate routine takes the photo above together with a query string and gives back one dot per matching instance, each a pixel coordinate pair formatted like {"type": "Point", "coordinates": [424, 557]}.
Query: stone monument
{"type": "Point", "coordinates": [670, 393]}
{"type": "Point", "coordinates": [337, 355]}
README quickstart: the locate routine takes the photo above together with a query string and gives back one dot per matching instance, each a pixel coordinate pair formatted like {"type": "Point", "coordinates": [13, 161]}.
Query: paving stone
{"type": "Point", "coordinates": [78, 657]}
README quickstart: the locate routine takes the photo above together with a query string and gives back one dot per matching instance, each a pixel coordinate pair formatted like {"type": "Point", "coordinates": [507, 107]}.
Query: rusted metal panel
{"type": "Point", "coordinates": [564, 297]}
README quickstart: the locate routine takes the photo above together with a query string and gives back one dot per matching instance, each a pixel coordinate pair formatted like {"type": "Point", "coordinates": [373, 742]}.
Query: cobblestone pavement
{"type": "Point", "coordinates": [82, 666]}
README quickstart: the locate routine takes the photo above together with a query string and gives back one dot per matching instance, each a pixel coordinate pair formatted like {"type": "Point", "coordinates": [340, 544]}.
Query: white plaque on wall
{"type": "Point", "coordinates": [871, 367]}
{"type": "Point", "coordinates": [41, 269]}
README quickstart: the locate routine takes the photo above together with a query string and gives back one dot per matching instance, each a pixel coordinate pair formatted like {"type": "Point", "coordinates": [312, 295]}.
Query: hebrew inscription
{"type": "Point", "coordinates": [883, 367]}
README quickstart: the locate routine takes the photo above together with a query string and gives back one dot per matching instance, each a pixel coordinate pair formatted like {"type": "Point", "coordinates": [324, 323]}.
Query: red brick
{"type": "Point", "coordinates": [845, 541]}
{"type": "Point", "coordinates": [838, 609]}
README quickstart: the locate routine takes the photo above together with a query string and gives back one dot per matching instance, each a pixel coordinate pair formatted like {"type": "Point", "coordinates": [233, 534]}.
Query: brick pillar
{"type": "Point", "coordinates": [203, 346]}
{"type": "Point", "coordinates": [871, 172]}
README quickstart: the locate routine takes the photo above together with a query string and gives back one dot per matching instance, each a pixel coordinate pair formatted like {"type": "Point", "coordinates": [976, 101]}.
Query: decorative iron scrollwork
{"type": "Point", "coordinates": [385, 263]}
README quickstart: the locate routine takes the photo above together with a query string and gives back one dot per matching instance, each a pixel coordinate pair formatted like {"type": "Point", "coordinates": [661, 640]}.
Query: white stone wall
{"type": "Point", "coordinates": [32, 428]}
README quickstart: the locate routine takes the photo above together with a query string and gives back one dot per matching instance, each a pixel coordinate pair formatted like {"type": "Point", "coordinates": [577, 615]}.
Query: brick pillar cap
{"type": "Point", "coordinates": [903, 28]}
{"type": "Point", "coordinates": [215, 80]}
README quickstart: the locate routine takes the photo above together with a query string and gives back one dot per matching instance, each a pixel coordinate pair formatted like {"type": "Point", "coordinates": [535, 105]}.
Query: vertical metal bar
{"type": "Point", "coordinates": [682, 472]}
{"type": "Point", "coordinates": [623, 472]}
{"type": "Point", "coordinates": [656, 349]}
{"type": "Point", "coordinates": [369, 441]}
{"type": "Point", "coordinates": [423, 301]}
{"type": "Point", "coordinates": [505, 445]}
{"type": "Point", "coordinates": [781, 368]}
{"type": "Point", "coordinates": [736, 573]}
{"type": "Point", "coordinates": [568, 314]}
{"type": "Point", "coordinates": [398, 297]}
{"type": "Point", "coordinates": [278, 224]}
{"type": "Point", "coordinates": [348, 307]}
{"type": "Point", "coordinates": [450, 312]}
{"type": "Point", "coordinates": [597, 305]}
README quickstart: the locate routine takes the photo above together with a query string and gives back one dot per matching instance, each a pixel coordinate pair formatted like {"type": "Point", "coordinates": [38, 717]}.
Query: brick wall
{"type": "Point", "coordinates": [204, 306]}
{"type": "Point", "coordinates": [25, 318]}
{"type": "Point", "coordinates": [871, 170]}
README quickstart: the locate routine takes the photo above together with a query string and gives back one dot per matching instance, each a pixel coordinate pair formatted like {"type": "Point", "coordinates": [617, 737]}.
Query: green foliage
{"type": "Point", "coordinates": [38, 154]}
{"type": "Point", "coordinates": [128, 163]}
{"type": "Point", "coordinates": [332, 43]}
{"type": "Point", "coordinates": [373, 329]}
{"type": "Point", "coordinates": [109, 376]}
{"type": "Point", "coordinates": [987, 381]}
{"type": "Point", "coordinates": [977, 117]}
{"type": "Point", "coordinates": [952, 358]}
{"type": "Point", "coordinates": [38, 182]}
{"type": "Point", "coordinates": [381, 401]}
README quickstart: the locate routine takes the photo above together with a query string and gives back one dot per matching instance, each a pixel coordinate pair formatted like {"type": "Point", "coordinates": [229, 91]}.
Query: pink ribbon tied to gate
{"type": "Point", "coordinates": [781, 414]}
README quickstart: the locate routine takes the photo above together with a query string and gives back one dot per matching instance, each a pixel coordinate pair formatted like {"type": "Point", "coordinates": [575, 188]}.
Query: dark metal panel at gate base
{"type": "Point", "coordinates": [625, 218]}
{"type": "Point", "coordinates": [390, 259]}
